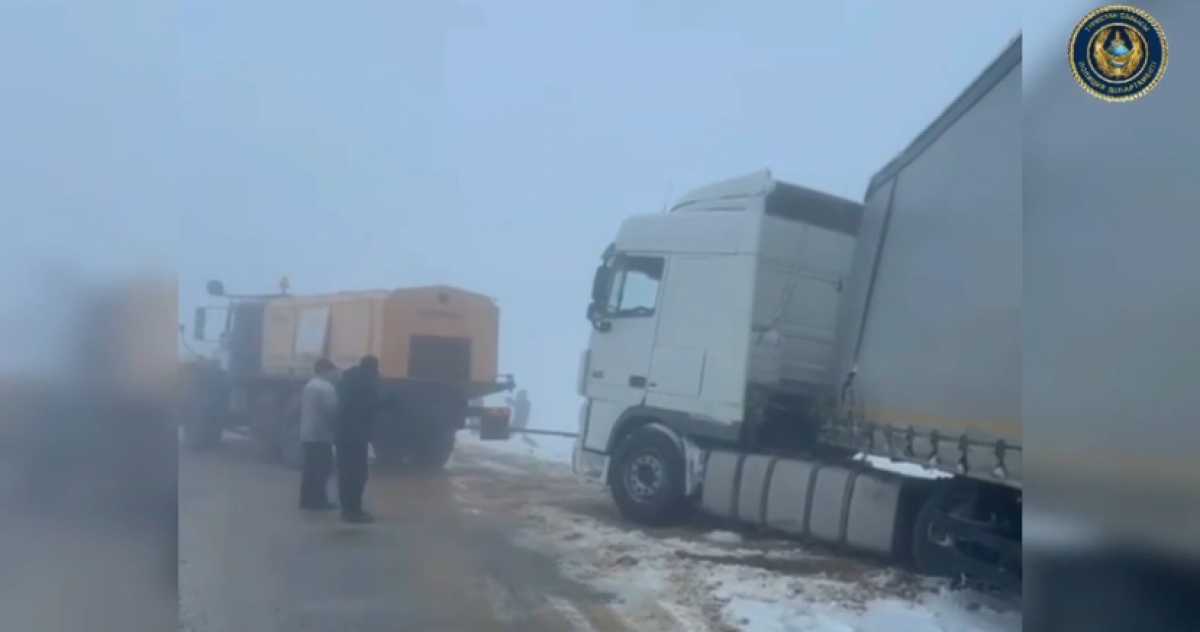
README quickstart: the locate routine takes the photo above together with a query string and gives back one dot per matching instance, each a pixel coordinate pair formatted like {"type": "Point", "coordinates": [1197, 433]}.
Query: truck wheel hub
{"type": "Point", "coordinates": [939, 537]}
{"type": "Point", "coordinates": [644, 477]}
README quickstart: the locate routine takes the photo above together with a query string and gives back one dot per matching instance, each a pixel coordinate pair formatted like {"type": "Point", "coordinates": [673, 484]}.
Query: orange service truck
{"type": "Point", "coordinates": [437, 350]}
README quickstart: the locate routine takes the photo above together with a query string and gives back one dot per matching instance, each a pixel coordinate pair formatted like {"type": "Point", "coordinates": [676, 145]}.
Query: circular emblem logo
{"type": "Point", "coordinates": [1118, 53]}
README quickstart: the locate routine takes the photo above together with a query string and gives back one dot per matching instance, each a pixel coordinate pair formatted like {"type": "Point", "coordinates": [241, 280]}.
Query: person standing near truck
{"type": "Point", "coordinates": [521, 407]}
{"type": "Point", "coordinates": [358, 393]}
{"type": "Point", "coordinates": [318, 414]}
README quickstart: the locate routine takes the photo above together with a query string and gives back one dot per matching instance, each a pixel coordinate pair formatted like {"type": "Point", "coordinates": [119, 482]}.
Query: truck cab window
{"type": "Point", "coordinates": [635, 287]}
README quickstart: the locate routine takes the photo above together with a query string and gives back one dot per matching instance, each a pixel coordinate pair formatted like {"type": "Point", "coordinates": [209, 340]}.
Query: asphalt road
{"type": "Point", "coordinates": [250, 560]}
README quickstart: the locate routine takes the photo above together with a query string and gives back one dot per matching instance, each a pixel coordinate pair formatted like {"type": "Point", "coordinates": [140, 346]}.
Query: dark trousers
{"type": "Point", "coordinates": [352, 474]}
{"type": "Point", "coordinates": [318, 465]}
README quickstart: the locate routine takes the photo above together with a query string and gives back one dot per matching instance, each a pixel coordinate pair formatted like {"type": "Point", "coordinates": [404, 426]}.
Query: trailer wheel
{"type": "Point", "coordinates": [647, 479]}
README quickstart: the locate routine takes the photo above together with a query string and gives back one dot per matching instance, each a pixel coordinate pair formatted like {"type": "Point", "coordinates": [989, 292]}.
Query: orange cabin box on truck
{"type": "Point", "coordinates": [436, 334]}
{"type": "Point", "coordinates": [437, 350]}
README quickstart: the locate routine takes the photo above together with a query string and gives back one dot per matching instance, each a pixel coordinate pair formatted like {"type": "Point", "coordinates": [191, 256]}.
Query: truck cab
{"type": "Point", "coordinates": [751, 340]}
{"type": "Point", "coordinates": [236, 326]}
{"type": "Point", "coordinates": [712, 315]}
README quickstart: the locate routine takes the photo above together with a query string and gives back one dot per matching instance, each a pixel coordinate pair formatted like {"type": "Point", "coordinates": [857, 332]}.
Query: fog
{"type": "Point", "coordinates": [149, 147]}
{"type": "Point", "coordinates": [498, 146]}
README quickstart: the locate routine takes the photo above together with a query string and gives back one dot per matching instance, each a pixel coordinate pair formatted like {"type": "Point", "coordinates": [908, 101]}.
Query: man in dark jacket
{"type": "Point", "coordinates": [358, 394]}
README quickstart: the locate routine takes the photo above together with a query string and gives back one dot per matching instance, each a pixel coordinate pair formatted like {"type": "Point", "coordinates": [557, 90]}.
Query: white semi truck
{"type": "Point", "coordinates": [754, 340]}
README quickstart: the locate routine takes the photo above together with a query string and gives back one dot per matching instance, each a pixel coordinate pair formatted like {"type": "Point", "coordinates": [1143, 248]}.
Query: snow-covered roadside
{"type": "Point", "coordinates": [717, 582]}
{"type": "Point", "coordinates": [693, 580]}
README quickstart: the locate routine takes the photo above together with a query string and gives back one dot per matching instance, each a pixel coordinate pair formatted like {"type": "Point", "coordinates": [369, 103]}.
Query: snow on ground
{"type": "Point", "coordinates": [940, 612]}
{"type": "Point", "coordinates": [697, 579]}
{"type": "Point", "coordinates": [717, 583]}
{"type": "Point", "coordinates": [724, 537]}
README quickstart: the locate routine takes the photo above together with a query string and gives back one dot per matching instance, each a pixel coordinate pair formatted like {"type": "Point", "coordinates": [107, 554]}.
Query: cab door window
{"type": "Point", "coordinates": [635, 287]}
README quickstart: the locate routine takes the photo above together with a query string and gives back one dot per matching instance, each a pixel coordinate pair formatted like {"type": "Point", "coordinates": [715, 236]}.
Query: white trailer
{"type": "Point", "coordinates": [752, 340]}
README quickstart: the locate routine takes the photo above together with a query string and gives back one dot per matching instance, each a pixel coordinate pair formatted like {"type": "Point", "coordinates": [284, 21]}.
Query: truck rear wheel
{"type": "Point", "coordinates": [426, 451]}
{"type": "Point", "coordinates": [647, 478]}
{"type": "Point", "coordinates": [964, 531]}
{"type": "Point", "coordinates": [434, 450]}
{"type": "Point", "coordinates": [932, 549]}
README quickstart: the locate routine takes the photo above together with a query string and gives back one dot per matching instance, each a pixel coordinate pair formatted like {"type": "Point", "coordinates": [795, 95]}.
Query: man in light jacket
{"type": "Point", "coordinates": [318, 414]}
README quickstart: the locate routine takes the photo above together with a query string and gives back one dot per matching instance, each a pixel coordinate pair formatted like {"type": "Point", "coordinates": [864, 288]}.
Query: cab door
{"type": "Point", "coordinates": [618, 367]}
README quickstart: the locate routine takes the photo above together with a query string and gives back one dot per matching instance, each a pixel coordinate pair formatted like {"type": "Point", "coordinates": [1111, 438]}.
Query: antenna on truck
{"type": "Point", "coordinates": [667, 199]}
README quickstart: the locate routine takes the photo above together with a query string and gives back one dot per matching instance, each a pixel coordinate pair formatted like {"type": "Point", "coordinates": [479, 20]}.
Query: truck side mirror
{"type": "Point", "coordinates": [598, 307]}
{"type": "Point", "coordinates": [215, 288]}
{"type": "Point", "coordinates": [601, 286]}
{"type": "Point", "coordinates": [199, 323]}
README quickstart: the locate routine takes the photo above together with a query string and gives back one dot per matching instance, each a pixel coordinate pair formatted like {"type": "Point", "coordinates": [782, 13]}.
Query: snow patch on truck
{"type": "Point", "coordinates": [913, 470]}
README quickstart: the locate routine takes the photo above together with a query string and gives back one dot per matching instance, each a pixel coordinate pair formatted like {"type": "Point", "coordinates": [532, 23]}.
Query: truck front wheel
{"type": "Point", "coordinates": [647, 478]}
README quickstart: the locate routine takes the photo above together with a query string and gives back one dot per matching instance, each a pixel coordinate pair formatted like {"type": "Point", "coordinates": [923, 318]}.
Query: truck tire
{"type": "Point", "coordinates": [970, 544]}
{"type": "Point", "coordinates": [648, 478]}
{"type": "Point", "coordinates": [428, 451]}
{"type": "Point", "coordinates": [932, 552]}
{"type": "Point", "coordinates": [434, 450]}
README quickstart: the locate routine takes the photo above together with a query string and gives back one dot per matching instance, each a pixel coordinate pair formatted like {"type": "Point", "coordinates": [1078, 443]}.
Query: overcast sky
{"type": "Point", "coordinates": [494, 146]}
